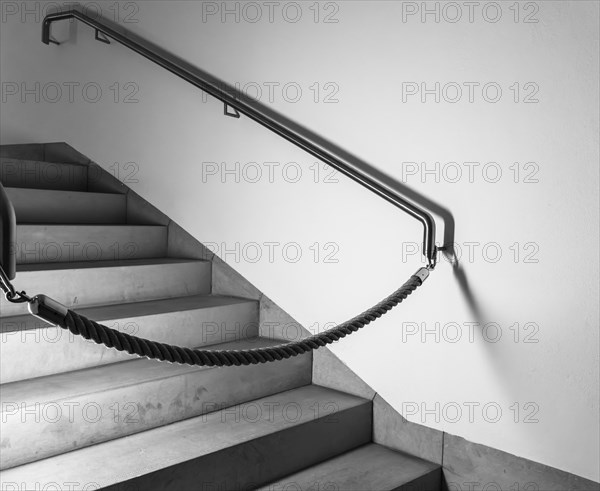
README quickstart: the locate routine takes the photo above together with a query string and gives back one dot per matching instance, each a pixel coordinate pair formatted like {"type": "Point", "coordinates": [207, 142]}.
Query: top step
{"type": "Point", "coordinates": [59, 152]}
{"type": "Point", "coordinates": [17, 173]}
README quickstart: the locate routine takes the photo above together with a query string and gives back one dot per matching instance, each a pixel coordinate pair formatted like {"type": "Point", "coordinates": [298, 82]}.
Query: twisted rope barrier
{"type": "Point", "coordinates": [57, 314]}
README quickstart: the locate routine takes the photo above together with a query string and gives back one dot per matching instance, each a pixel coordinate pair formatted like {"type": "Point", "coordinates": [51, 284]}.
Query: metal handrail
{"type": "Point", "coordinates": [242, 104]}
{"type": "Point", "coordinates": [8, 228]}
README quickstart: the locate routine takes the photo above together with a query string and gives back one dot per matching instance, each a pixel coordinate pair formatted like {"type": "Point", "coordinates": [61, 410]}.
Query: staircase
{"type": "Point", "coordinates": [76, 415]}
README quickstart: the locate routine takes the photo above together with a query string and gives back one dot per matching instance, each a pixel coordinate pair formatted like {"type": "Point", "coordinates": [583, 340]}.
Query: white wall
{"type": "Point", "coordinates": [369, 53]}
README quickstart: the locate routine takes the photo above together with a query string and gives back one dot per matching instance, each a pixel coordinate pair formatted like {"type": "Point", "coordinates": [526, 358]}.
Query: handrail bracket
{"type": "Point", "coordinates": [101, 37]}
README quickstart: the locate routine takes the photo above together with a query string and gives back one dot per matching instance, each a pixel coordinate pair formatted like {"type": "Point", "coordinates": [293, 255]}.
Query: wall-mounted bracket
{"type": "Point", "coordinates": [53, 41]}
{"type": "Point", "coordinates": [230, 111]}
{"type": "Point", "coordinates": [101, 37]}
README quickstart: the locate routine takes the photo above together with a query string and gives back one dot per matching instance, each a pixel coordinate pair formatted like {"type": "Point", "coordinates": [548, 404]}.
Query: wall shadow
{"type": "Point", "coordinates": [463, 283]}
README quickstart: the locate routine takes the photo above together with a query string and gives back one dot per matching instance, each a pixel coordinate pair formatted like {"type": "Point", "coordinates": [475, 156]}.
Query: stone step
{"type": "Point", "coordinates": [67, 207]}
{"type": "Point", "coordinates": [43, 243]}
{"type": "Point", "coordinates": [51, 415]}
{"type": "Point", "coordinates": [48, 152]}
{"type": "Point", "coordinates": [241, 447]}
{"type": "Point", "coordinates": [32, 348]}
{"type": "Point", "coordinates": [25, 151]}
{"type": "Point", "coordinates": [18, 173]}
{"type": "Point", "coordinates": [371, 467]}
{"type": "Point", "coordinates": [81, 284]}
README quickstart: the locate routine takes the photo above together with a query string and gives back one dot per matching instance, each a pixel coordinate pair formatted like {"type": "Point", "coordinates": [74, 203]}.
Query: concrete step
{"type": "Point", "coordinates": [51, 415]}
{"type": "Point", "coordinates": [241, 447]}
{"type": "Point", "coordinates": [18, 173]}
{"type": "Point", "coordinates": [31, 348]}
{"type": "Point", "coordinates": [371, 467]}
{"type": "Point", "coordinates": [27, 151]}
{"type": "Point", "coordinates": [43, 243]}
{"type": "Point", "coordinates": [64, 207]}
{"type": "Point", "coordinates": [48, 152]}
{"type": "Point", "coordinates": [82, 284]}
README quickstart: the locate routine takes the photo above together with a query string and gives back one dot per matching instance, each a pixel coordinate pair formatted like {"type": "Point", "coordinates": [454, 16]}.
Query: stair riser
{"type": "Point", "coordinates": [43, 206]}
{"type": "Point", "coordinates": [27, 353]}
{"type": "Point", "coordinates": [64, 425]}
{"type": "Point", "coordinates": [52, 244]}
{"type": "Point", "coordinates": [250, 464]}
{"type": "Point", "coordinates": [96, 286]}
{"type": "Point", "coordinates": [428, 482]}
{"type": "Point", "coordinates": [43, 175]}
{"type": "Point", "coordinates": [25, 151]}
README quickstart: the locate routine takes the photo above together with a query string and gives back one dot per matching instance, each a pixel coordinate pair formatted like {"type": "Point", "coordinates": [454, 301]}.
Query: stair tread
{"type": "Point", "coordinates": [93, 380]}
{"type": "Point", "coordinates": [149, 307]}
{"type": "Point", "coordinates": [118, 460]}
{"type": "Point", "coordinates": [371, 466]}
{"type": "Point", "coordinates": [105, 264]}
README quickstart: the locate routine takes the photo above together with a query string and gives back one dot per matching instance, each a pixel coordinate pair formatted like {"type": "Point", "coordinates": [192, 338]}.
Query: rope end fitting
{"type": "Point", "coordinates": [47, 309]}
{"type": "Point", "coordinates": [422, 274]}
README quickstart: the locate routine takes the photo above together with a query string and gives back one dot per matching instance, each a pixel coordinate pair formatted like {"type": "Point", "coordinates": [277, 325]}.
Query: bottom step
{"type": "Point", "coordinates": [237, 448]}
{"type": "Point", "coordinates": [371, 467]}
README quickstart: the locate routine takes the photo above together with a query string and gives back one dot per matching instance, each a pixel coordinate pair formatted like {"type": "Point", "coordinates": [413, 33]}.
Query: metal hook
{"type": "Point", "coordinates": [5, 284]}
{"type": "Point", "coordinates": [9, 290]}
